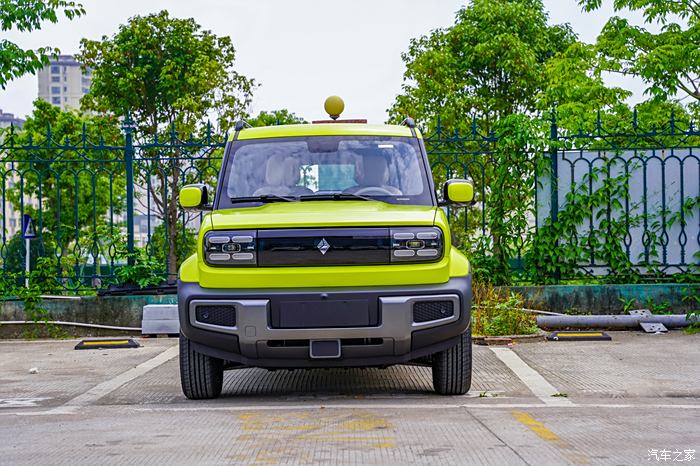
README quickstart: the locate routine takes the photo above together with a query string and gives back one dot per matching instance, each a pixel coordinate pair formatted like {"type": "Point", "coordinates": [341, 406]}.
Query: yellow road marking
{"type": "Point", "coordinates": [544, 433]}
{"type": "Point", "coordinates": [597, 334]}
{"type": "Point", "coordinates": [279, 437]}
{"type": "Point", "coordinates": [535, 426]}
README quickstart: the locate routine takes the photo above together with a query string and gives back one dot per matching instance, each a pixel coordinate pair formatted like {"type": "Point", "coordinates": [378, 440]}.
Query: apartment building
{"type": "Point", "coordinates": [63, 83]}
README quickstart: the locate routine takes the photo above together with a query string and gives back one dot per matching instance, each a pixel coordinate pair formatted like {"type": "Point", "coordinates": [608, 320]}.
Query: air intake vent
{"type": "Point", "coordinates": [425, 311]}
{"type": "Point", "coordinates": [217, 314]}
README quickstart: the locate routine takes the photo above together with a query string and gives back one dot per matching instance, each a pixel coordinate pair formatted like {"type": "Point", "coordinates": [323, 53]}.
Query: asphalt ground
{"type": "Point", "coordinates": [632, 400]}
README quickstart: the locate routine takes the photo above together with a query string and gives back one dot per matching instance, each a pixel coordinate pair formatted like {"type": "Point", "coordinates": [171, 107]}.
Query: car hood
{"type": "Point", "coordinates": [322, 214]}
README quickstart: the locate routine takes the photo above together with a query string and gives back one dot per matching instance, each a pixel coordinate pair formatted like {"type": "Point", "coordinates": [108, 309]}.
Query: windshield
{"type": "Point", "coordinates": [388, 169]}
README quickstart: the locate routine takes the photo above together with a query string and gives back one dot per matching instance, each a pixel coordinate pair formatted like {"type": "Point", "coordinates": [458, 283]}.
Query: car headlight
{"type": "Point", "coordinates": [416, 244]}
{"type": "Point", "coordinates": [230, 247]}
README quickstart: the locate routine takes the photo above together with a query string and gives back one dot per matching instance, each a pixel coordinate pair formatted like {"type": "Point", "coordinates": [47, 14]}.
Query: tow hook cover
{"type": "Point", "coordinates": [324, 349]}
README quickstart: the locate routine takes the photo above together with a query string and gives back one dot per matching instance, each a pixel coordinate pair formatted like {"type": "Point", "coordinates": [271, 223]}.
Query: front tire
{"type": "Point", "coordinates": [201, 376]}
{"type": "Point", "coordinates": [452, 368]}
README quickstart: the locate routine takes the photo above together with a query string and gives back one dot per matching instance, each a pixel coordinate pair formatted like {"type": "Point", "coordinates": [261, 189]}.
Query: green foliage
{"type": "Point", "coordinates": [163, 71]}
{"type": "Point", "coordinates": [170, 75]}
{"type": "Point", "coordinates": [12, 286]}
{"type": "Point", "coordinates": [502, 58]}
{"type": "Point", "coordinates": [158, 246]}
{"type": "Point", "coordinates": [275, 117]}
{"type": "Point", "coordinates": [575, 87]}
{"type": "Point", "coordinates": [559, 248]}
{"type": "Point", "coordinates": [146, 270]}
{"type": "Point", "coordinates": [694, 314]}
{"type": "Point", "coordinates": [667, 61]}
{"type": "Point", "coordinates": [72, 185]}
{"type": "Point", "coordinates": [27, 16]}
{"type": "Point", "coordinates": [510, 204]}
{"type": "Point", "coordinates": [658, 308]}
{"type": "Point", "coordinates": [499, 312]}
{"type": "Point", "coordinates": [503, 62]}
{"type": "Point", "coordinates": [627, 304]}
{"type": "Point", "coordinates": [16, 253]}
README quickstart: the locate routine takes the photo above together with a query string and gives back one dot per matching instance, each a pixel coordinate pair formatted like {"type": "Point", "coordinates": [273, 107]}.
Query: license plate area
{"type": "Point", "coordinates": [324, 349]}
{"type": "Point", "coordinates": [324, 313]}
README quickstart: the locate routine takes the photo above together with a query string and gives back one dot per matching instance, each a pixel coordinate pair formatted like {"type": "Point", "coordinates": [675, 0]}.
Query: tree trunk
{"type": "Point", "coordinates": [171, 219]}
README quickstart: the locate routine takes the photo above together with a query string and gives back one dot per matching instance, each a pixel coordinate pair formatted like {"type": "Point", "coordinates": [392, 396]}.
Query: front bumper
{"type": "Point", "coordinates": [257, 340]}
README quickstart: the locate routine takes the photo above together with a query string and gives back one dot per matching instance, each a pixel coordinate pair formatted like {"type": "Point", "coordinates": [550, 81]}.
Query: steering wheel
{"type": "Point", "coordinates": [376, 190]}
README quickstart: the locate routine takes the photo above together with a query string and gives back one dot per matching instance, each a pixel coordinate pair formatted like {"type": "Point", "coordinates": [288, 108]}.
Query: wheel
{"type": "Point", "coordinates": [201, 376]}
{"type": "Point", "coordinates": [452, 368]}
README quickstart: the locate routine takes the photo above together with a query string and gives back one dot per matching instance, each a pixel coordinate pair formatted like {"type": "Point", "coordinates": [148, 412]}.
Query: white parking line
{"type": "Point", "coordinates": [21, 402]}
{"type": "Point", "coordinates": [531, 378]}
{"type": "Point", "coordinates": [197, 406]}
{"type": "Point", "coordinates": [409, 406]}
{"type": "Point", "coordinates": [107, 387]}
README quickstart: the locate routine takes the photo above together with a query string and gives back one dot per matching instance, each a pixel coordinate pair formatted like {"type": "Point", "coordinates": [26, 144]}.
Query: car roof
{"type": "Point", "coordinates": [325, 129]}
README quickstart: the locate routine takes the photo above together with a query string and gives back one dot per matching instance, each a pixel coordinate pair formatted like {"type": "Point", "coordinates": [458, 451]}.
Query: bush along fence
{"type": "Point", "coordinates": [617, 205]}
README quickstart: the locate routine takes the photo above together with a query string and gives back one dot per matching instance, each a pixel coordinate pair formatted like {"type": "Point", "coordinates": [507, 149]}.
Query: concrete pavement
{"type": "Point", "coordinates": [617, 402]}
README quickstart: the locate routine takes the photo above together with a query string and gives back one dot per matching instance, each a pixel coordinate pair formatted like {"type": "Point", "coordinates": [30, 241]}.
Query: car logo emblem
{"type": "Point", "coordinates": [323, 246]}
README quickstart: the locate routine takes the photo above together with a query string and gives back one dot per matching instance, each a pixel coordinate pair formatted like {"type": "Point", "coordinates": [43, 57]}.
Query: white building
{"type": "Point", "coordinates": [63, 83]}
{"type": "Point", "coordinates": [8, 119]}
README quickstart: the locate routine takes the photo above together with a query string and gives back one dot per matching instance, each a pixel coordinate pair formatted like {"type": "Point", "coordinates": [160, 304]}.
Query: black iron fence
{"type": "Point", "coordinates": [620, 204]}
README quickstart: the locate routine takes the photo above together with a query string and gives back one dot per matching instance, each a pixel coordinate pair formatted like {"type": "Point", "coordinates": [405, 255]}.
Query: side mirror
{"type": "Point", "coordinates": [194, 197]}
{"type": "Point", "coordinates": [458, 192]}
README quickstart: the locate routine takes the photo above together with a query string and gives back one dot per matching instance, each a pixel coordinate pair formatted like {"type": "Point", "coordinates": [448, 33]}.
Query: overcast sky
{"type": "Point", "coordinates": [299, 51]}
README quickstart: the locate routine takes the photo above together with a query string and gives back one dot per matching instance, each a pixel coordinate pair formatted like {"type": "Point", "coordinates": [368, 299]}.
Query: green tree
{"type": "Point", "coordinates": [27, 16]}
{"type": "Point", "coordinates": [667, 61]}
{"type": "Point", "coordinates": [69, 169]}
{"type": "Point", "coordinates": [502, 63]}
{"type": "Point", "coordinates": [13, 262]}
{"type": "Point", "coordinates": [575, 87]}
{"type": "Point", "coordinates": [490, 62]}
{"type": "Point", "coordinates": [166, 73]}
{"type": "Point", "coordinates": [275, 117]}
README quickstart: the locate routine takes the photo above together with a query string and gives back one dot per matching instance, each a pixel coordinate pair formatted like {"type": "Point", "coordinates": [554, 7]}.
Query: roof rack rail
{"type": "Point", "coordinates": [241, 124]}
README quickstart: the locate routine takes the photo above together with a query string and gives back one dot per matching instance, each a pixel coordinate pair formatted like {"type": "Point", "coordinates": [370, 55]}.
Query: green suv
{"type": "Point", "coordinates": [324, 245]}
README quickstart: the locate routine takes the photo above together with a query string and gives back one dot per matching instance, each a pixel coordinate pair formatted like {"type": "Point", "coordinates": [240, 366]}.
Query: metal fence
{"type": "Point", "coordinates": [623, 201]}
{"type": "Point", "coordinates": [99, 204]}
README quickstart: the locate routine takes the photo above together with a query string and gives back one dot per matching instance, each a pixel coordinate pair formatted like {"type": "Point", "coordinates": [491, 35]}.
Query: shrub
{"type": "Point", "coordinates": [498, 311]}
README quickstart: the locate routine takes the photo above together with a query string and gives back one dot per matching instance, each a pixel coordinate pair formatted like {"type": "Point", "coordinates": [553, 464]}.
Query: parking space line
{"type": "Point", "coordinates": [398, 406]}
{"type": "Point", "coordinates": [405, 406]}
{"type": "Point", "coordinates": [572, 454]}
{"type": "Point", "coordinates": [532, 379]}
{"type": "Point", "coordinates": [107, 387]}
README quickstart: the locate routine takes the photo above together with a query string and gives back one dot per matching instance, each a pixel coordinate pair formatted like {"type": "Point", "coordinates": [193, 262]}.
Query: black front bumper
{"type": "Point", "coordinates": [258, 341]}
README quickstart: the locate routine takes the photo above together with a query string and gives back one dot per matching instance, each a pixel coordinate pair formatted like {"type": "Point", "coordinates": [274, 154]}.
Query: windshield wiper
{"type": "Point", "coordinates": [335, 197]}
{"type": "Point", "coordinates": [263, 198]}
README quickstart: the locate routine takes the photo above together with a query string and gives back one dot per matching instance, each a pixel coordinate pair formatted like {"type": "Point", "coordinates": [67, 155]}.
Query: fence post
{"type": "Point", "coordinates": [129, 163]}
{"type": "Point", "coordinates": [554, 181]}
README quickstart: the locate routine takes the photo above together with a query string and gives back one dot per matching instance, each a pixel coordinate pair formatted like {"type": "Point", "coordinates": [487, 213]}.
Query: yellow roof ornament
{"type": "Point", "coordinates": [334, 106]}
